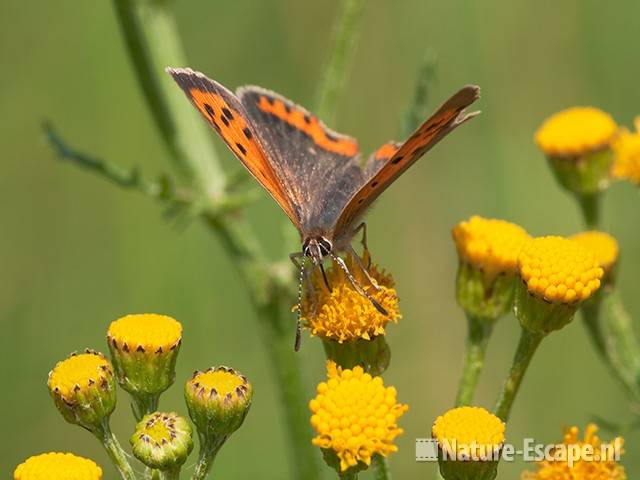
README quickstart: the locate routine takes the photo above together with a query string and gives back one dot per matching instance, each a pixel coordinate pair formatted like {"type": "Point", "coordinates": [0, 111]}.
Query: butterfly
{"type": "Point", "coordinates": [314, 173]}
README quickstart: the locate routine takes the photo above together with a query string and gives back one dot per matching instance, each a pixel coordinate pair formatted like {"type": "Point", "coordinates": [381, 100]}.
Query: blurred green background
{"type": "Point", "coordinates": [76, 252]}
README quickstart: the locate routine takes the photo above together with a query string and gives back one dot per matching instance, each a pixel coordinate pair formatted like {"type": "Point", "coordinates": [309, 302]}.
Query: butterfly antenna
{"type": "Point", "coordinates": [298, 341]}
{"type": "Point", "coordinates": [357, 285]}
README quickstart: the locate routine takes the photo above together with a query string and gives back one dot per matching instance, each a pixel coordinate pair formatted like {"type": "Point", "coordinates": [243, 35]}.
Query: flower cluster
{"type": "Point", "coordinates": [355, 416]}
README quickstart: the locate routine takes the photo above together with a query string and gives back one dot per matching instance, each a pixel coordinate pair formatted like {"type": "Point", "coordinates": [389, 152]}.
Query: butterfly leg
{"type": "Point", "coordinates": [364, 269]}
{"type": "Point", "coordinates": [357, 285]}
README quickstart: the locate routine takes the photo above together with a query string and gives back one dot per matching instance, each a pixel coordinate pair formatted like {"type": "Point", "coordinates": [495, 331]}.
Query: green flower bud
{"type": "Point", "coordinates": [372, 355]}
{"type": "Point", "coordinates": [83, 389]}
{"type": "Point", "coordinates": [218, 400]}
{"type": "Point", "coordinates": [162, 441]}
{"type": "Point", "coordinates": [144, 349]}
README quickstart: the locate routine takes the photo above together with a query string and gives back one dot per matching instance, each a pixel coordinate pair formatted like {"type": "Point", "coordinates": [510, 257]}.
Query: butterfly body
{"type": "Point", "coordinates": [316, 175]}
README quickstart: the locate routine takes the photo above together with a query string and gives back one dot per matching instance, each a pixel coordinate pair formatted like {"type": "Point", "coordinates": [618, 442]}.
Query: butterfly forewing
{"type": "Point", "coordinates": [391, 160]}
{"type": "Point", "coordinates": [320, 168]}
{"type": "Point", "coordinates": [224, 112]}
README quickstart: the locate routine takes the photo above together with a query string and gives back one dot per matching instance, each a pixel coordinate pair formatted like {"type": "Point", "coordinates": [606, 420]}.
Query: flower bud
{"type": "Point", "coordinates": [144, 349]}
{"type": "Point", "coordinates": [488, 252]}
{"type": "Point", "coordinates": [557, 275]}
{"type": "Point", "coordinates": [83, 389]}
{"type": "Point", "coordinates": [218, 400]}
{"type": "Point", "coordinates": [162, 441]}
{"type": "Point", "coordinates": [57, 466]}
{"type": "Point", "coordinates": [470, 440]}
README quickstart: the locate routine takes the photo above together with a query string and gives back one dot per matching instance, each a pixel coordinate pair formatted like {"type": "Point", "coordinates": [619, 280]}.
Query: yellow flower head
{"type": "Point", "coordinates": [57, 466]}
{"type": "Point", "coordinates": [626, 148]}
{"type": "Point", "coordinates": [146, 332]}
{"type": "Point", "coordinates": [597, 460]}
{"type": "Point", "coordinates": [469, 433]}
{"type": "Point", "coordinates": [602, 245]}
{"type": "Point", "coordinates": [355, 415]}
{"type": "Point", "coordinates": [344, 314]}
{"type": "Point", "coordinates": [77, 373]}
{"type": "Point", "coordinates": [490, 245]}
{"type": "Point", "coordinates": [559, 270]}
{"type": "Point", "coordinates": [576, 131]}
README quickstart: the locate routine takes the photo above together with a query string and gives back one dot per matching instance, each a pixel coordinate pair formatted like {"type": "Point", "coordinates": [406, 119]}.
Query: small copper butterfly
{"type": "Point", "coordinates": [312, 172]}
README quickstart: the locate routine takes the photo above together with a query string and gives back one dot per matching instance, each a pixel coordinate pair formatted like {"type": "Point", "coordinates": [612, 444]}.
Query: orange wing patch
{"type": "Point", "coordinates": [387, 150]}
{"type": "Point", "coordinates": [240, 138]}
{"type": "Point", "coordinates": [310, 125]}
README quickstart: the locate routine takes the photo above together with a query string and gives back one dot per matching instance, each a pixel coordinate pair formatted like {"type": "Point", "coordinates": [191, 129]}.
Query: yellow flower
{"type": "Point", "coordinates": [626, 148]}
{"type": "Point", "coordinates": [576, 131]}
{"type": "Point", "coordinates": [344, 314]}
{"type": "Point", "coordinates": [467, 433]}
{"type": "Point", "coordinates": [489, 244]}
{"type": "Point", "coordinates": [145, 332]}
{"type": "Point", "coordinates": [144, 350]}
{"type": "Point", "coordinates": [57, 466]}
{"type": "Point", "coordinates": [83, 389]}
{"type": "Point", "coordinates": [559, 270]}
{"type": "Point", "coordinates": [601, 464]}
{"type": "Point", "coordinates": [602, 245]}
{"type": "Point", "coordinates": [355, 416]}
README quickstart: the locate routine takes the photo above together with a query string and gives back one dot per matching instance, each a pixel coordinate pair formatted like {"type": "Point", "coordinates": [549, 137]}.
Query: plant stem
{"type": "Point", "coordinates": [527, 346]}
{"type": "Point", "coordinates": [479, 332]}
{"type": "Point", "coordinates": [114, 450]}
{"type": "Point", "coordinates": [416, 112]}
{"type": "Point", "coordinates": [143, 405]}
{"type": "Point", "coordinates": [208, 450]}
{"type": "Point", "coordinates": [590, 207]}
{"type": "Point", "coordinates": [341, 56]}
{"type": "Point", "coordinates": [170, 474]}
{"type": "Point", "coordinates": [380, 468]}
{"type": "Point", "coordinates": [153, 44]}
{"type": "Point", "coordinates": [611, 330]}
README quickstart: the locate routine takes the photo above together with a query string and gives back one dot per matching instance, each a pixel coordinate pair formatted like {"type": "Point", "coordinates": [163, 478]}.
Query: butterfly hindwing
{"type": "Point", "coordinates": [224, 112]}
{"type": "Point", "coordinates": [391, 160]}
{"type": "Point", "coordinates": [319, 166]}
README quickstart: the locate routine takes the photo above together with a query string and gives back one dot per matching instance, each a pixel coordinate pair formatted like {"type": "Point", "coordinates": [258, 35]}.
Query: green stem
{"type": "Point", "coordinates": [173, 474]}
{"type": "Point", "coordinates": [208, 450]}
{"type": "Point", "coordinates": [143, 405]}
{"type": "Point", "coordinates": [380, 468]}
{"type": "Point", "coordinates": [348, 475]}
{"type": "Point", "coordinates": [341, 56]}
{"type": "Point", "coordinates": [611, 330]}
{"type": "Point", "coordinates": [153, 44]}
{"type": "Point", "coordinates": [417, 108]}
{"type": "Point", "coordinates": [590, 207]}
{"type": "Point", "coordinates": [527, 346]}
{"type": "Point", "coordinates": [479, 332]}
{"type": "Point", "coordinates": [114, 450]}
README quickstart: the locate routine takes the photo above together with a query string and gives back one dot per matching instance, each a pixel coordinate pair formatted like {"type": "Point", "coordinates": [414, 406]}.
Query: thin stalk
{"type": "Point", "coordinates": [143, 405]}
{"type": "Point", "coordinates": [590, 207]}
{"type": "Point", "coordinates": [527, 346]}
{"type": "Point", "coordinates": [380, 468]}
{"type": "Point", "coordinates": [209, 448]}
{"type": "Point", "coordinates": [611, 330]}
{"type": "Point", "coordinates": [417, 108]}
{"type": "Point", "coordinates": [341, 57]}
{"type": "Point", "coordinates": [173, 474]}
{"type": "Point", "coordinates": [114, 450]}
{"type": "Point", "coordinates": [479, 332]}
{"type": "Point", "coordinates": [153, 44]}
{"type": "Point", "coordinates": [348, 475]}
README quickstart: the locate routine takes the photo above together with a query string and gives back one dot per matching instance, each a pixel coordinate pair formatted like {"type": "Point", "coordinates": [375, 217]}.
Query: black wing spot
{"type": "Point", "coordinates": [241, 148]}
{"type": "Point", "coordinates": [307, 118]}
{"type": "Point", "coordinates": [224, 120]}
{"type": "Point", "coordinates": [397, 160]}
{"type": "Point", "coordinates": [247, 133]}
{"type": "Point", "coordinates": [287, 108]}
{"type": "Point", "coordinates": [209, 110]}
{"type": "Point", "coordinates": [227, 113]}
{"type": "Point", "coordinates": [374, 184]}
{"type": "Point", "coordinates": [360, 201]}
{"type": "Point", "coordinates": [331, 138]}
